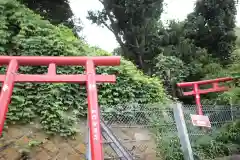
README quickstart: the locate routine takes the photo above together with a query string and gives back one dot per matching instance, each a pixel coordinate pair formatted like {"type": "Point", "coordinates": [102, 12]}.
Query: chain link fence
{"type": "Point", "coordinates": [210, 139]}
{"type": "Point", "coordinates": [218, 116]}
{"type": "Point", "coordinates": [150, 132]}
{"type": "Point", "coordinates": [147, 132]}
{"type": "Point", "coordinates": [139, 128]}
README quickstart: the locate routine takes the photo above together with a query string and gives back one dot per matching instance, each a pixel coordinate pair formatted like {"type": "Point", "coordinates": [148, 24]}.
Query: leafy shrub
{"type": "Point", "coordinates": [59, 106]}
{"type": "Point", "coordinates": [232, 96]}
{"type": "Point", "coordinates": [170, 148]}
{"type": "Point", "coordinates": [223, 142]}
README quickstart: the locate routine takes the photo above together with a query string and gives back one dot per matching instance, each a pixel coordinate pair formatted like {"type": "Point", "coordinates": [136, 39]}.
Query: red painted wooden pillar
{"type": "Point", "coordinates": [197, 99]}
{"type": "Point", "coordinates": [6, 91]}
{"type": "Point", "coordinates": [93, 113]}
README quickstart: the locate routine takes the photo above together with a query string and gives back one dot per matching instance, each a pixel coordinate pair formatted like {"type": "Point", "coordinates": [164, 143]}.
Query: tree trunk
{"type": "Point", "coordinates": [140, 62]}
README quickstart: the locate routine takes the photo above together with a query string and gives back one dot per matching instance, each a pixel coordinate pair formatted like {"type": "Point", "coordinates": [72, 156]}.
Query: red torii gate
{"type": "Point", "coordinates": [90, 78]}
{"type": "Point", "coordinates": [197, 91]}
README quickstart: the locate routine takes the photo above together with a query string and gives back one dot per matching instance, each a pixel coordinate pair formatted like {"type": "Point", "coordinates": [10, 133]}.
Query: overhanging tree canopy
{"type": "Point", "coordinates": [132, 23]}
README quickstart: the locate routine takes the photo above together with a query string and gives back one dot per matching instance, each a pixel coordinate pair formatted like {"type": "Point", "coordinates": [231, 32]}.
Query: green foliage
{"type": "Point", "coordinates": [58, 107]}
{"type": "Point", "coordinates": [229, 133]}
{"type": "Point", "coordinates": [133, 23]}
{"type": "Point", "coordinates": [212, 26]}
{"type": "Point", "coordinates": [171, 68]}
{"type": "Point", "coordinates": [200, 45]}
{"type": "Point", "coordinates": [223, 142]}
{"type": "Point", "coordinates": [179, 59]}
{"type": "Point", "coordinates": [34, 143]}
{"type": "Point", "coordinates": [174, 44]}
{"type": "Point", "coordinates": [55, 11]}
{"type": "Point", "coordinates": [169, 148]}
{"type": "Point", "coordinates": [187, 42]}
{"type": "Point", "coordinates": [233, 95]}
{"type": "Point", "coordinates": [211, 149]}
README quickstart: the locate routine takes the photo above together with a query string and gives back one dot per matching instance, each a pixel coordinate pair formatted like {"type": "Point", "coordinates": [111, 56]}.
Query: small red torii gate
{"type": "Point", "coordinates": [90, 78]}
{"type": "Point", "coordinates": [197, 91]}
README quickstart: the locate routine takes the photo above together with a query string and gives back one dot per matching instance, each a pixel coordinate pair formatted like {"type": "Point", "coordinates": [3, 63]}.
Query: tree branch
{"type": "Point", "coordinates": [118, 38]}
{"type": "Point", "coordinates": [106, 25]}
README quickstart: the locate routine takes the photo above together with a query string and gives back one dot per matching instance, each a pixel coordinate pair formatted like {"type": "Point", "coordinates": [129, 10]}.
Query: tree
{"type": "Point", "coordinates": [133, 23]}
{"type": "Point", "coordinates": [212, 25]}
{"type": "Point", "coordinates": [172, 42]}
{"type": "Point", "coordinates": [117, 51]}
{"type": "Point", "coordinates": [232, 96]}
{"type": "Point", "coordinates": [179, 59]}
{"type": "Point", "coordinates": [52, 104]}
{"type": "Point", "coordinates": [171, 70]}
{"type": "Point", "coordinates": [56, 11]}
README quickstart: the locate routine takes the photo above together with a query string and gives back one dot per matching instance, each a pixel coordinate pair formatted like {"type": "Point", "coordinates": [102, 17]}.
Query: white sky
{"type": "Point", "coordinates": [103, 38]}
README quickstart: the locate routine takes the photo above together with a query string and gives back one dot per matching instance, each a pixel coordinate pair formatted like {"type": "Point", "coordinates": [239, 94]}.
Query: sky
{"type": "Point", "coordinates": [103, 38]}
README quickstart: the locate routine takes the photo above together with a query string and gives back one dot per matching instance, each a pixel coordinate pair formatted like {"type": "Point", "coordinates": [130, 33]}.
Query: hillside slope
{"type": "Point", "coordinates": [59, 106]}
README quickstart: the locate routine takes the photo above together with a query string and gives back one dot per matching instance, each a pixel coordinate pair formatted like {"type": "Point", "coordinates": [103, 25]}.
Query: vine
{"type": "Point", "coordinates": [58, 107]}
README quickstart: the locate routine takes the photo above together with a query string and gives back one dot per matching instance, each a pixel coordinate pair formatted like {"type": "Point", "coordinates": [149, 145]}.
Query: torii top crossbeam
{"type": "Point", "coordinates": [61, 61]}
{"type": "Point", "coordinates": [90, 78]}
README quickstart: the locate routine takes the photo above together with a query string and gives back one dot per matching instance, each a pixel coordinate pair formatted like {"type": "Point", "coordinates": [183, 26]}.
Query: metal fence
{"type": "Point", "coordinates": [139, 128]}
{"type": "Point", "coordinates": [147, 132]}
{"type": "Point", "coordinates": [150, 132]}
{"type": "Point", "coordinates": [218, 115]}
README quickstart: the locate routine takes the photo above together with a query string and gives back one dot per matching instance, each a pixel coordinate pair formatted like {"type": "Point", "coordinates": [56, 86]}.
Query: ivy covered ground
{"type": "Point", "coordinates": [59, 106]}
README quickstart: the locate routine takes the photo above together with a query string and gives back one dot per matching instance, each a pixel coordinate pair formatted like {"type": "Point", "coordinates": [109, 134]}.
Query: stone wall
{"type": "Point", "coordinates": [30, 142]}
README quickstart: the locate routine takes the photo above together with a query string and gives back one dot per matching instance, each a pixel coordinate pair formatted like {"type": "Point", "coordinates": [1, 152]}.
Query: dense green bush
{"type": "Point", "coordinates": [232, 96]}
{"type": "Point", "coordinates": [59, 106]}
{"type": "Point", "coordinates": [222, 142]}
